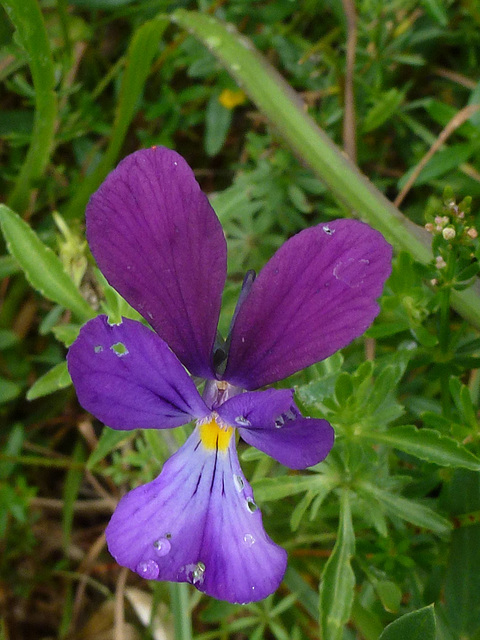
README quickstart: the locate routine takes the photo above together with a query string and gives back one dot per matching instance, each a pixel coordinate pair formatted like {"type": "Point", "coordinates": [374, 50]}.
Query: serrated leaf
{"type": "Point", "coordinates": [54, 380]}
{"type": "Point", "coordinates": [107, 442]}
{"type": "Point", "coordinates": [426, 444]}
{"type": "Point", "coordinates": [338, 580]}
{"type": "Point", "coordinates": [41, 266]}
{"type": "Point", "coordinates": [418, 625]}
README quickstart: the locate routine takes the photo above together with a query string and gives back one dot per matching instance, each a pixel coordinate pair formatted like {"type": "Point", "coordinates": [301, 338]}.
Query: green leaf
{"type": "Point", "coordinates": [426, 444]}
{"type": "Point", "coordinates": [386, 106]}
{"type": "Point", "coordinates": [54, 380]}
{"type": "Point", "coordinates": [277, 488]}
{"type": "Point", "coordinates": [73, 480]}
{"type": "Point", "coordinates": [408, 510]}
{"type": "Point", "coordinates": [139, 58]}
{"type": "Point", "coordinates": [390, 595]}
{"type": "Point", "coordinates": [41, 266]}
{"type": "Point", "coordinates": [217, 124]}
{"type": "Point", "coordinates": [31, 33]}
{"type": "Point", "coordinates": [7, 339]}
{"type": "Point", "coordinates": [281, 105]}
{"type": "Point", "coordinates": [418, 625]}
{"type": "Point", "coordinates": [108, 441]}
{"type": "Point", "coordinates": [338, 580]}
{"type": "Point", "coordinates": [8, 390]}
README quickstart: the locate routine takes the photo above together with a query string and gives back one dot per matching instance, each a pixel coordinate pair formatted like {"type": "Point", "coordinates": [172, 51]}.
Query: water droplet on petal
{"type": "Point", "coordinates": [241, 420]}
{"type": "Point", "coordinates": [279, 422]}
{"type": "Point", "coordinates": [195, 572]}
{"type": "Point", "coordinates": [148, 570]}
{"type": "Point", "coordinates": [162, 546]}
{"type": "Point", "coordinates": [238, 482]}
{"type": "Point", "coordinates": [251, 506]}
{"type": "Point", "coordinates": [328, 231]}
{"type": "Point", "coordinates": [248, 539]}
{"type": "Point", "coordinates": [98, 349]}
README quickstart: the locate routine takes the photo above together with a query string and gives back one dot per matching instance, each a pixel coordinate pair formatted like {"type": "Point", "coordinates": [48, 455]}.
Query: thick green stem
{"type": "Point", "coordinates": [180, 604]}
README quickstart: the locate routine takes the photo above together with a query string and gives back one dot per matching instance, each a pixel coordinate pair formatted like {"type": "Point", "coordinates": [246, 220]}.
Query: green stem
{"type": "Point", "coordinates": [179, 599]}
{"type": "Point", "coordinates": [42, 462]}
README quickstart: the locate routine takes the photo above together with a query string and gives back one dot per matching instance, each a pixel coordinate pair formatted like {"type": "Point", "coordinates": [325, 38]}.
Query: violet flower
{"type": "Point", "coordinates": [160, 245]}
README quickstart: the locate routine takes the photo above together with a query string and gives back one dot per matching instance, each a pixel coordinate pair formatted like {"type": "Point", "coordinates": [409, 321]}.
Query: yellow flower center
{"type": "Point", "coordinates": [215, 436]}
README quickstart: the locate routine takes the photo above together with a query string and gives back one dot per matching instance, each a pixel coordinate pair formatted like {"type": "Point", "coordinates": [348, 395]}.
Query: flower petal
{"type": "Point", "coordinates": [128, 378]}
{"type": "Point", "coordinates": [159, 243]}
{"type": "Point", "coordinates": [197, 523]}
{"type": "Point", "coordinates": [271, 422]}
{"type": "Point", "coordinates": [312, 298]}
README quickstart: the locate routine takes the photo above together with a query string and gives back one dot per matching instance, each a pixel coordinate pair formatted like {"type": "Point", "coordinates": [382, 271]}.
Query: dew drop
{"type": "Point", "coordinates": [162, 546]}
{"type": "Point", "coordinates": [148, 570]}
{"type": "Point", "coordinates": [328, 231]}
{"type": "Point", "coordinates": [251, 506]}
{"type": "Point", "coordinates": [175, 164]}
{"type": "Point", "coordinates": [248, 539]}
{"type": "Point", "coordinates": [238, 482]}
{"type": "Point", "coordinates": [98, 348]}
{"type": "Point", "coordinates": [242, 421]}
{"type": "Point", "coordinates": [279, 422]}
{"type": "Point", "coordinates": [195, 572]}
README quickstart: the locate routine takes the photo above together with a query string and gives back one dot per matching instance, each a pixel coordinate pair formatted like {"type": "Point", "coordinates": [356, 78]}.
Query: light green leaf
{"type": "Point", "coordinates": [418, 625]}
{"type": "Point", "coordinates": [31, 33]}
{"type": "Point", "coordinates": [108, 441]}
{"type": "Point", "coordinates": [277, 488]}
{"type": "Point", "coordinates": [408, 510]}
{"type": "Point", "coordinates": [426, 444]}
{"type": "Point", "coordinates": [54, 380]}
{"type": "Point", "coordinates": [217, 124]}
{"type": "Point", "coordinates": [41, 266]}
{"type": "Point", "coordinates": [390, 595]}
{"type": "Point", "coordinates": [8, 390]}
{"type": "Point", "coordinates": [338, 580]}
{"type": "Point", "coordinates": [386, 106]}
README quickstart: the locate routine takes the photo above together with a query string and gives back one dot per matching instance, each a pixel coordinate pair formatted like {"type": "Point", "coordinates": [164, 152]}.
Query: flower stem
{"type": "Point", "coordinates": [181, 610]}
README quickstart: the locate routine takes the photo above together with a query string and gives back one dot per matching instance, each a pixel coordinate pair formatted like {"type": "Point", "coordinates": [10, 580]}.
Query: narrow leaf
{"type": "Point", "coordinates": [41, 266]}
{"type": "Point", "coordinates": [54, 380]}
{"type": "Point", "coordinates": [108, 441]}
{"type": "Point", "coordinates": [426, 444]}
{"type": "Point", "coordinates": [409, 510]}
{"type": "Point", "coordinates": [32, 34]}
{"type": "Point", "coordinates": [338, 580]}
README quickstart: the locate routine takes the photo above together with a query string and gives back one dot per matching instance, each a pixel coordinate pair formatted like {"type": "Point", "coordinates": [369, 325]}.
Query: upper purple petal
{"type": "Point", "coordinates": [270, 421]}
{"type": "Point", "coordinates": [127, 377]}
{"type": "Point", "coordinates": [159, 243]}
{"type": "Point", "coordinates": [197, 523]}
{"type": "Point", "coordinates": [316, 294]}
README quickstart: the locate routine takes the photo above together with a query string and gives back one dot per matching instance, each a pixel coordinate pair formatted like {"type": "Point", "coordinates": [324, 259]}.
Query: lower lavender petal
{"type": "Point", "coordinates": [270, 421]}
{"type": "Point", "coordinates": [128, 378]}
{"type": "Point", "coordinates": [198, 523]}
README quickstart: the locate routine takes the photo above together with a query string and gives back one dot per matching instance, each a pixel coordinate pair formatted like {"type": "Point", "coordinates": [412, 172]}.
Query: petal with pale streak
{"type": "Point", "coordinates": [197, 523]}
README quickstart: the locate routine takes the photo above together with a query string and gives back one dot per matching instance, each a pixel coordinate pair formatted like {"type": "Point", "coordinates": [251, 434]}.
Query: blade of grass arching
{"type": "Point", "coordinates": [28, 21]}
{"type": "Point", "coordinates": [283, 108]}
{"type": "Point", "coordinates": [138, 60]}
{"type": "Point", "coordinates": [338, 580]}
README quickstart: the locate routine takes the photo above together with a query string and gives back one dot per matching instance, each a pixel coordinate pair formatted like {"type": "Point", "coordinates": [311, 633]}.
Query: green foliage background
{"type": "Point", "coordinates": [384, 536]}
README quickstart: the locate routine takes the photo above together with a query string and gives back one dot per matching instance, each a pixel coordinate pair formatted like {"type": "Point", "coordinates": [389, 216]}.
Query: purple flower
{"type": "Point", "coordinates": [160, 245]}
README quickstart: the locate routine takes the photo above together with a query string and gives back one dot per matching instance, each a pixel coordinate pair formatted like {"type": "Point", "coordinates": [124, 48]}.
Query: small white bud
{"type": "Point", "coordinates": [449, 233]}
